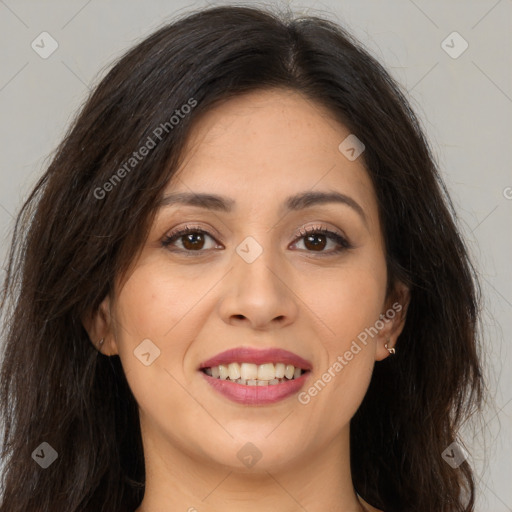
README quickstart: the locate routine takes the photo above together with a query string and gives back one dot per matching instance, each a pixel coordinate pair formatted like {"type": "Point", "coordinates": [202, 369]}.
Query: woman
{"type": "Point", "coordinates": [239, 286]}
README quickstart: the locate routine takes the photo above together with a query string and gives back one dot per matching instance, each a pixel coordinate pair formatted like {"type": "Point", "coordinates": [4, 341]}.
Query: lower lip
{"type": "Point", "coordinates": [256, 395]}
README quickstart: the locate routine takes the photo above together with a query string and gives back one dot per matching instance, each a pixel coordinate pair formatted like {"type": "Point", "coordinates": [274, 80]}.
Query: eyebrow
{"type": "Point", "coordinates": [296, 202]}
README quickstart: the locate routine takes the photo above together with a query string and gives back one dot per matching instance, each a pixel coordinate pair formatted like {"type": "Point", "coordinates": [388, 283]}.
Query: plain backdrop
{"type": "Point", "coordinates": [463, 96]}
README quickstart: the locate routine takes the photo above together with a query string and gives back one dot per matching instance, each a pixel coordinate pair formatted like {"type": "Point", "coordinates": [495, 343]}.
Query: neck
{"type": "Point", "coordinates": [317, 480]}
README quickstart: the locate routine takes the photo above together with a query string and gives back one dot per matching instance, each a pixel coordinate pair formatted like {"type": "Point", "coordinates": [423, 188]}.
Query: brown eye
{"type": "Point", "coordinates": [316, 239]}
{"type": "Point", "coordinates": [191, 239]}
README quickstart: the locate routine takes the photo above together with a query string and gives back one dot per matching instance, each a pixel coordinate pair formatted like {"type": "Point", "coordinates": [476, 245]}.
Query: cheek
{"type": "Point", "coordinates": [348, 299]}
{"type": "Point", "coordinates": [153, 306]}
{"type": "Point", "coordinates": [154, 303]}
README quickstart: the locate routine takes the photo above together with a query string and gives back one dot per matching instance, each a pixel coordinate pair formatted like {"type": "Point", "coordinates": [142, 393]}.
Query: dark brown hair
{"type": "Point", "coordinates": [71, 243]}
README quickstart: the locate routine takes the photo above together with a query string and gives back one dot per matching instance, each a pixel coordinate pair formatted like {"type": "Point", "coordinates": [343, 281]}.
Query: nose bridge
{"type": "Point", "coordinates": [257, 263]}
{"type": "Point", "coordinates": [257, 291]}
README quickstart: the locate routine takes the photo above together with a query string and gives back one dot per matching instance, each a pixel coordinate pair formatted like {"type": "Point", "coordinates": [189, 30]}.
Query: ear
{"type": "Point", "coordinates": [99, 326]}
{"type": "Point", "coordinates": [393, 318]}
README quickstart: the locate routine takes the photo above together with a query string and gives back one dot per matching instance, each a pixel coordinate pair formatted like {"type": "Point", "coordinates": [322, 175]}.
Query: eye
{"type": "Point", "coordinates": [192, 239]}
{"type": "Point", "coordinates": [315, 240]}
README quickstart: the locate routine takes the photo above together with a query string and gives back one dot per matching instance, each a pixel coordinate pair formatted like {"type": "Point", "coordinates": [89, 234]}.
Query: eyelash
{"type": "Point", "coordinates": [343, 244]}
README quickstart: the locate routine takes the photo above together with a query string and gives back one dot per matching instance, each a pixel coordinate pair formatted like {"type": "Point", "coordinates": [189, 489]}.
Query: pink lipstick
{"type": "Point", "coordinates": [256, 376]}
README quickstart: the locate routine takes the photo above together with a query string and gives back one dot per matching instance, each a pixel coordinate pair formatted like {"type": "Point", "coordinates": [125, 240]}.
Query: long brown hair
{"type": "Point", "coordinates": [81, 227]}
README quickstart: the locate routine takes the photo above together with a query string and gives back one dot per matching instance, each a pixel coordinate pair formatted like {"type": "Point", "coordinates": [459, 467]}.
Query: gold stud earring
{"type": "Point", "coordinates": [390, 350]}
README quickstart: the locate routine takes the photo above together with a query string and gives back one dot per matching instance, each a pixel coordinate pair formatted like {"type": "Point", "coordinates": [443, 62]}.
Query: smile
{"type": "Point", "coordinates": [256, 376]}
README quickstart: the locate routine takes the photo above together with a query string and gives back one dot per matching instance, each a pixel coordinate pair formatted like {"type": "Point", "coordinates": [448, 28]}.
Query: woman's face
{"type": "Point", "coordinates": [248, 276]}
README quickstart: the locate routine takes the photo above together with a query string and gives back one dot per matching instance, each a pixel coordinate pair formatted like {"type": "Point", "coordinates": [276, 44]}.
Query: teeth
{"type": "Point", "coordinates": [248, 371]}
{"type": "Point", "coordinates": [266, 371]}
{"type": "Point", "coordinates": [223, 371]}
{"type": "Point", "coordinates": [279, 370]}
{"type": "Point", "coordinates": [255, 375]}
{"type": "Point", "coordinates": [234, 371]}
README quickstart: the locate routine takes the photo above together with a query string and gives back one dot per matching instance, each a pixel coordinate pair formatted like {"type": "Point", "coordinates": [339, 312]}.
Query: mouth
{"type": "Point", "coordinates": [256, 377]}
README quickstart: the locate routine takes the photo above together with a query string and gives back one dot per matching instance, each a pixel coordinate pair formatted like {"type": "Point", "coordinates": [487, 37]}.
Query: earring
{"type": "Point", "coordinates": [390, 350]}
{"type": "Point", "coordinates": [101, 342]}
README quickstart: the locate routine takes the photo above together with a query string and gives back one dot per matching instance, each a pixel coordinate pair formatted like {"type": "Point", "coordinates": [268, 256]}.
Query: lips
{"type": "Point", "coordinates": [247, 392]}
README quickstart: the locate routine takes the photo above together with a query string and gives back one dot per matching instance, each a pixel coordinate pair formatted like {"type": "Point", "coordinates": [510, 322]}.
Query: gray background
{"type": "Point", "coordinates": [465, 104]}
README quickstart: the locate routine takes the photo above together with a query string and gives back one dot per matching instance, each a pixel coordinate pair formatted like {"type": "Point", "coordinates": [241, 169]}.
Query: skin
{"type": "Point", "coordinates": [257, 149]}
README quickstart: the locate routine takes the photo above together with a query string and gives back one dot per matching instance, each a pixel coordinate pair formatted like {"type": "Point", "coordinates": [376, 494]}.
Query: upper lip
{"type": "Point", "coordinates": [257, 356]}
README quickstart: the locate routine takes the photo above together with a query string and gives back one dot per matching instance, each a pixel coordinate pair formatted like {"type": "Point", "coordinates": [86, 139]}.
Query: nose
{"type": "Point", "coordinates": [259, 293]}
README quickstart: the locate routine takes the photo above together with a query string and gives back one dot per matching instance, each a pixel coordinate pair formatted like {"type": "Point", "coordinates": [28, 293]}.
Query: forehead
{"type": "Point", "coordinates": [263, 145]}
